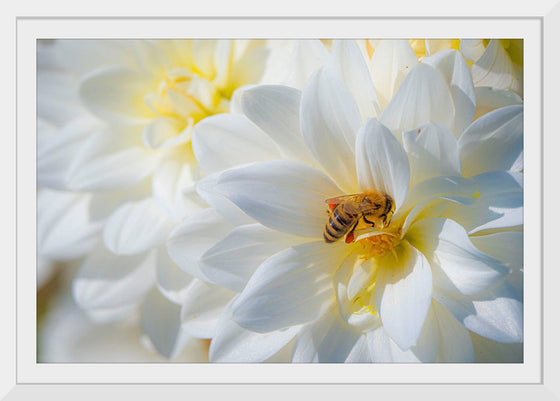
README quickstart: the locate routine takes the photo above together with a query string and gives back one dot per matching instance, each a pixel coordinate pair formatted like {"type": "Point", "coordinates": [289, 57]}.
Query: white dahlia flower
{"type": "Point", "coordinates": [441, 282]}
{"type": "Point", "coordinates": [116, 169]}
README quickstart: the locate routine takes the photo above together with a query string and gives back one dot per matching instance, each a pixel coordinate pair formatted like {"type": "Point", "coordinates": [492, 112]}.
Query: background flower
{"type": "Point", "coordinates": [115, 163]}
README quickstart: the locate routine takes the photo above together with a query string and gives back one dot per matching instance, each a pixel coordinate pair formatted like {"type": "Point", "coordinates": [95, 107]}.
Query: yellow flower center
{"type": "Point", "coordinates": [377, 245]}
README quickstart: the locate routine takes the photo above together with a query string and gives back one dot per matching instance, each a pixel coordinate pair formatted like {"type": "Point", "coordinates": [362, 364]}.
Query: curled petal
{"type": "Point", "coordinates": [232, 260]}
{"type": "Point", "coordinates": [498, 204]}
{"type": "Point", "coordinates": [390, 64]}
{"type": "Point", "coordinates": [403, 292]}
{"type": "Point", "coordinates": [201, 308]}
{"type": "Point", "coordinates": [64, 231]}
{"type": "Point", "coordinates": [432, 150]}
{"type": "Point", "coordinates": [275, 110]}
{"type": "Point", "coordinates": [159, 319]}
{"type": "Point", "coordinates": [307, 57]}
{"type": "Point", "coordinates": [228, 140]}
{"type": "Point", "coordinates": [455, 71]}
{"type": "Point", "coordinates": [330, 120]}
{"type": "Point", "coordinates": [447, 246]}
{"type": "Point", "coordinates": [194, 236]}
{"type": "Point", "coordinates": [423, 97]}
{"type": "Point", "coordinates": [283, 195]}
{"type": "Point", "coordinates": [496, 314]}
{"type": "Point", "coordinates": [381, 162]}
{"type": "Point", "coordinates": [111, 161]}
{"type": "Point", "coordinates": [107, 281]}
{"type": "Point", "coordinates": [290, 288]}
{"type": "Point", "coordinates": [233, 343]}
{"type": "Point", "coordinates": [136, 227]}
{"type": "Point", "coordinates": [329, 340]}
{"type": "Point", "coordinates": [494, 142]}
{"type": "Point", "coordinates": [117, 95]}
{"type": "Point", "coordinates": [347, 60]}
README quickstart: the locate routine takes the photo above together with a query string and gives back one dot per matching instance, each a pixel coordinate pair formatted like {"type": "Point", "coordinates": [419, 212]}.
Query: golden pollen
{"type": "Point", "coordinates": [377, 245]}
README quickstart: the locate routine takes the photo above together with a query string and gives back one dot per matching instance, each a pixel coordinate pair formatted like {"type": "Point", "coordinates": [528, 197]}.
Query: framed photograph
{"type": "Point", "coordinates": [292, 203]}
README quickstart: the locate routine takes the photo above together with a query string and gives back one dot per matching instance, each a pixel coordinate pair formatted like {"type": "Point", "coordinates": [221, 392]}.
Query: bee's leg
{"type": "Point", "coordinates": [350, 236]}
{"type": "Point", "coordinates": [369, 222]}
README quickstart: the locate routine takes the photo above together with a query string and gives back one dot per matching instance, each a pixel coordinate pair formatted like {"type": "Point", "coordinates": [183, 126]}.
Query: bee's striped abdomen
{"type": "Point", "coordinates": [339, 224]}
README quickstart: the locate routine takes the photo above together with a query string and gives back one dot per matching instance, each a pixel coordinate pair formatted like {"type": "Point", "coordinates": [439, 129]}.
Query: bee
{"type": "Point", "coordinates": [374, 207]}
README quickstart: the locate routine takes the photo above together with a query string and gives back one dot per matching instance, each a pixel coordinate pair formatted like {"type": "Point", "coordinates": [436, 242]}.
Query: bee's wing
{"type": "Point", "coordinates": [339, 199]}
{"type": "Point", "coordinates": [332, 202]}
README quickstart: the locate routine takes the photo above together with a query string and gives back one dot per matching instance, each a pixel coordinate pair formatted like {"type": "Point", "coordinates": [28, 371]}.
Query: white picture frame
{"type": "Point", "coordinates": [23, 378]}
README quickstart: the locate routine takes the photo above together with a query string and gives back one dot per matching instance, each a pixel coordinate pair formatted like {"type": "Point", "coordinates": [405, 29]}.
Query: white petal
{"type": "Point", "coordinates": [104, 203]}
{"type": "Point", "coordinates": [472, 49]}
{"type": "Point", "coordinates": [106, 280]}
{"type": "Point", "coordinates": [232, 343]}
{"type": "Point", "coordinates": [235, 106]}
{"type": "Point", "coordinates": [56, 149]}
{"type": "Point", "coordinates": [351, 66]}
{"type": "Point", "coordinates": [307, 57]}
{"type": "Point", "coordinates": [203, 55]}
{"type": "Point", "coordinates": [498, 205]}
{"type": "Point", "coordinates": [455, 71]}
{"type": "Point", "coordinates": [495, 68]}
{"type": "Point", "coordinates": [489, 99]}
{"type": "Point", "coordinates": [488, 351]}
{"type": "Point", "coordinates": [447, 246]}
{"type": "Point", "coordinates": [283, 195]}
{"type": "Point", "coordinates": [111, 160]}
{"type": "Point", "coordinates": [432, 151]}
{"type": "Point", "coordinates": [136, 227]}
{"type": "Point", "coordinates": [232, 260]}
{"type": "Point", "coordinates": [173, 176]}
{"type": "Point", "coordinates": [330, 120]}
{"type": "Point", "coordinates": [456, 189]}
{"type": "Point", "coordinates": [455, 342]}
{"type": "Point", "coordinates": [505, 246]}
{"type": "Point", "coordinates": [207, 189]}
{"type": "Point", "coordinates": [226, 140]}
{"type": "Point", "coordinates": [202, 307]}
{"type": "Point", "coordinates": [275, 110]}
{"type": "Point", "coordinates": [178, 103]}
{"type": "Point", "coordinates": [117, 95]}
{"type": "Point", "coordinates": [250, 68]}
{"type": "Point", "coordinates": [329, 340]}
{"type": "Point", "coordinates": [382, 349]}
{"type": "Point", "coordinates": [171, 281]}
{"type": "Point", "coordinates": [163, 133]}
{"type": "Point", "coordinates": [391, 62]}
{"type": "Point", "coordinates": [427, 348]}
{"type": "Point", "coordinates": [423, 97]}
{"type": "Point", "coordinates": [193, 237]}
{"type": "Point", "coordinates": [493, 142]}
{"type": "Point", "coordinates": [403, 293]}
{"type": "Point", "coordinates": [57, 98]}
{"type": "Point", "coordinates": [289, 288]}
{"type": "Point", "coordinates": [381, 162]}
{"type": "Point", "coordinates": [359, 352]}
{"type": "Point", "coordinates": [64, 230]}
{"type": "Point", "coordinates": [160, 321]}
{"type": "Point", "coordinates": [496, 314]}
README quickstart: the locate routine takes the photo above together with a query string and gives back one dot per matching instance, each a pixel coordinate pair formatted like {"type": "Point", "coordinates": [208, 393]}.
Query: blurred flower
{"type": "Point", "coordinates": [115, 164]}
{"type": "Point", "coordinates": [446, 267]}
{"type": "Point", "coordinates": [66, 334]}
